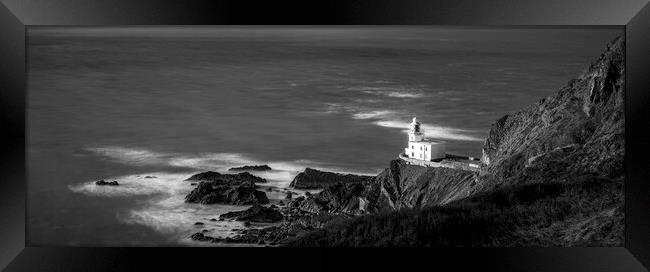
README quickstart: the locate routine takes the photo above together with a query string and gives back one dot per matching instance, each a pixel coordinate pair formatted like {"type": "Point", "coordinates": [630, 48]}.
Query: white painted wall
{"type": "Point", "coordinates": [438, 151]}
{"type": "Point", "coordinates": [425, 150]}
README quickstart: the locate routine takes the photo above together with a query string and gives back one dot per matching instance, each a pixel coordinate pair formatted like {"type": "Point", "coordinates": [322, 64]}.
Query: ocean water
{"type": "Point", "coordinates": [122, 103]}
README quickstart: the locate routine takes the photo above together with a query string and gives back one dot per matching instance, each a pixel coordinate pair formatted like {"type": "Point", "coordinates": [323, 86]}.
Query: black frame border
{"type": "Point", "coordinates": [16, 14]}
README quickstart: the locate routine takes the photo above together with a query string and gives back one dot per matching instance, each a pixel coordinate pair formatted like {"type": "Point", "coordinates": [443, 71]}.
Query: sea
{"type": "Point", "coordinates": [124, 103]}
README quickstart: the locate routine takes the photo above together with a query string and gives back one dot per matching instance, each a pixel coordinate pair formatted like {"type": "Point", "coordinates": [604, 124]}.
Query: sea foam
{"type": "Point", "coordinates": [141, 184]}
{"type": "Point", "coordinates": [165, 210]}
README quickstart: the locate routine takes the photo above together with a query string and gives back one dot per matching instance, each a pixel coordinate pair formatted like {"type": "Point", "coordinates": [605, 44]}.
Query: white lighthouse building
{"type": "Point", "coordinates": [421, 149]}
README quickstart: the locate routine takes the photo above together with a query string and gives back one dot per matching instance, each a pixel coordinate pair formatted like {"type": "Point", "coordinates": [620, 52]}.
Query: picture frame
{"type": "Point", "coordinates": [16, 254]}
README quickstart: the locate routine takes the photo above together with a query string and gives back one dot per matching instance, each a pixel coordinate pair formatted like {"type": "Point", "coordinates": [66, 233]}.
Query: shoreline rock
{"type": "Point", "coordinates": [215, 188]}
{"type": "Point", "coordinates": [216, 176]}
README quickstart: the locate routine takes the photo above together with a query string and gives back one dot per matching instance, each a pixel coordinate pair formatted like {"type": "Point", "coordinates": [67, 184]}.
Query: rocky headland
{"type": "Point", "coordinates": [551, 174]}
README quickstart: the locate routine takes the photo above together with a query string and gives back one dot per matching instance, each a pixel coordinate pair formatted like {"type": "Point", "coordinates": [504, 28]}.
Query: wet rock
{"type": "Point", "coordinates": [199, 223]}
{"type": "Point", "coordinates": [201, 237]}
{"type": "Point", "coordinates": [215, 188]}
{"type": "Point", "coordinates": [218, 177]}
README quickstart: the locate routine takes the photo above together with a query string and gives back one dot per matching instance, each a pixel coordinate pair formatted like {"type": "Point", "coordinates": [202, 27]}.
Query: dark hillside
{"type": "Point", "coordinates": [585, 212]}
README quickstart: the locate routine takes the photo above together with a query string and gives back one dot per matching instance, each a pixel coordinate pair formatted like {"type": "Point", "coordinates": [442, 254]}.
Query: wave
{"type": "Point", "coordinates": [165, 210]}
{"type": "Point", "coordinates": [396, 92]}
{"type": "Point", "coordinates": [171, 215]}
{"type": "Point", "coordinates": [373, 114]}
{"type": "Point", "coordinates": [404, 95]}
{"type": "Point", "coordinates": [220, 162]}
{"type": "Point", "coordinates": [131, 156]}
{"type": "Point", "coordinates": [141, 184]}
{"type": "Point", "coordinates": [211, 161]}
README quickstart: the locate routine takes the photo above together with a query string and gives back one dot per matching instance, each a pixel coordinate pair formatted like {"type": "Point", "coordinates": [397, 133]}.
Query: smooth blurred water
{"type": "Point", "coordinates": [121, 103]}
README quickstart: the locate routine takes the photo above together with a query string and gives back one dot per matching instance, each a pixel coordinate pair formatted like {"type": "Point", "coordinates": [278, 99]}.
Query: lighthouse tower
{"type": "Point", "coordinates": [416, 132]}
{"type": "Point", "coordinates": [420, 148]}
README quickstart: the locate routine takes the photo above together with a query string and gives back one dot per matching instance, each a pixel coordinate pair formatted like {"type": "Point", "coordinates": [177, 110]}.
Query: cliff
{"type": "Point", "coordinates": [552, 175]}
{"type": "Point", "coordinates": [579, 130]}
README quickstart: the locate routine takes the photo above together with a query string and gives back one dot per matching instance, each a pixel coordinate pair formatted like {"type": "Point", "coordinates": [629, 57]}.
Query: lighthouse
{"type": "Point", "coordinates": [420, 148]}
{"type": "Point", "coordinates": [416, 132]}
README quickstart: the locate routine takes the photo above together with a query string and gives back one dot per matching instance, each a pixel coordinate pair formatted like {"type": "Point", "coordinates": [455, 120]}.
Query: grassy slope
{"type": "Point", "coordinates": [585, 212]}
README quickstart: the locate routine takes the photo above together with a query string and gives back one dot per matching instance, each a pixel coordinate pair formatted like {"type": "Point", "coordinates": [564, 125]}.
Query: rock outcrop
{"type": "Point", "coordinates": [340, 197]}
{"type": "Point", "coordinates": [251, 168]}
{"type": "Point", "coordinates": [215, 188]}
{"type": "Point", "coordinates": [406, 186]}
{"type": "Point", "coordinates": [399, 186]}
{"type": "Point", "coordinates": [257, 213]}
{"type": "Point", "coordinates": [215, 176]}
{"type": "Point", "coordinates": [315, 179]}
